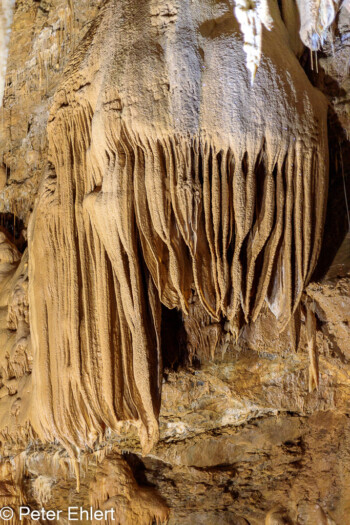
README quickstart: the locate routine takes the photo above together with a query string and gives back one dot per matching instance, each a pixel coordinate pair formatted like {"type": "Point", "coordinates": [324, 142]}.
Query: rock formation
{"type": "Point", "coordinates": [5, 26]}
{"type": "Point", "coordinates": [172, 171]}
{"type": "Point", "coordinates": [166, 174]}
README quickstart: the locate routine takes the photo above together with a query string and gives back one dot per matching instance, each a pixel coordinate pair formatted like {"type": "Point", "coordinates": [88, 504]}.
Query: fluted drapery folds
{"type": "Point", "coordinates": [168, 170]}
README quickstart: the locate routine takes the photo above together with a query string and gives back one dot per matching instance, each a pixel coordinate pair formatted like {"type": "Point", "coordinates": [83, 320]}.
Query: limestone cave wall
{"type": "Point", "coordinates": [175, 260]}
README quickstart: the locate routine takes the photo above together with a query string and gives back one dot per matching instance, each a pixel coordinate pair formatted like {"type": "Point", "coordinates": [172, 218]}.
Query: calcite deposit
{"type": "Point", "coordinates": [174, 265]}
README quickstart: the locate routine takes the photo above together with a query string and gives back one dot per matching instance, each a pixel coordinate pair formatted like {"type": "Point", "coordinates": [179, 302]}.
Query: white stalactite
{"type": "Point", "coordinates": [316, 18]}
{"type": "Point", "coordinates": [252, 15]}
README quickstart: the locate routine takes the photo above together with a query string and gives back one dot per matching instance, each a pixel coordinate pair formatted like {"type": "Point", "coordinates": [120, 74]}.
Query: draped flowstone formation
{"type": "Point", "coordinates": [169, 173]}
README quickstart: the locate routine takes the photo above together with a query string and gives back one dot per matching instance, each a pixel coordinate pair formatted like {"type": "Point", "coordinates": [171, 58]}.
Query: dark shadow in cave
{"type": "Point", "coordinates": [138, 469]}
{"type": "Point", "coordinates": [336, 224]}
{"type": "Point", "coordinates": [13, 227]}
{"type": "Point", "coordinates": [174, 350]}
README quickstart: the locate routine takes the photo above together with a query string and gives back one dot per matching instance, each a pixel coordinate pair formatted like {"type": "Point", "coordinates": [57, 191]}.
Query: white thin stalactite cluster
{"type": "Point", "coordinates": [316, 19]}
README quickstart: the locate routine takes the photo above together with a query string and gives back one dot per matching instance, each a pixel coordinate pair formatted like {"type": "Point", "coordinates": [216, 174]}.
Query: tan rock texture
{"type": "Point", "coordinates": [162, 351]}
{"type": "Point", "coordinates": [167, 173]}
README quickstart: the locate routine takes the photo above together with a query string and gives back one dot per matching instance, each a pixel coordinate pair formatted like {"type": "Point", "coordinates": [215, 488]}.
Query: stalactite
{"type": "Point", "coordinates": [313, 20]}
{"type": "Point", "coordinates": [316, 18]}
{"type": "Point", "coordinates": [312, 348]}
{"type": "Point", "coordinates": [252, 16]}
